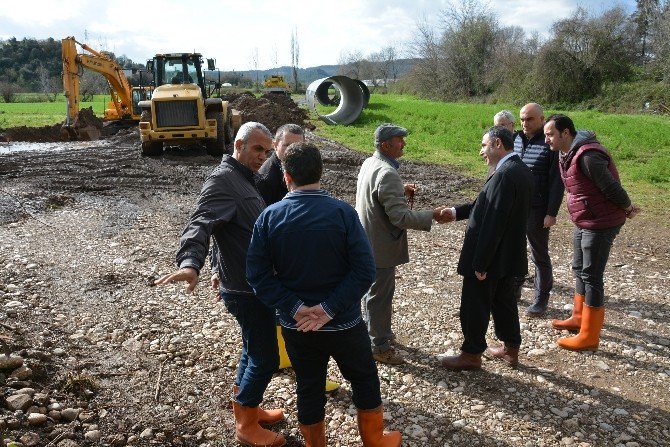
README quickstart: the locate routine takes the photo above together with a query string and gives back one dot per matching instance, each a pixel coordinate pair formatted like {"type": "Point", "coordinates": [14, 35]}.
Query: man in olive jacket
{"type": "Point", "coordinates": [382, 207]}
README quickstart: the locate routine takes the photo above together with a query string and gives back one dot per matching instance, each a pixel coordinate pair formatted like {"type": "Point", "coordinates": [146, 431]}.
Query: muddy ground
{"type": "Point", "coordinates": [109, 359]}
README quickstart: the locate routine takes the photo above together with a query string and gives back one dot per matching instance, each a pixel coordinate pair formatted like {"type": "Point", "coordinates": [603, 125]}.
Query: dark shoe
{"type": "Point", "coordinates": [390, 357]}
{"type": "Point", "coordinates": [463, 361]}
{"type": "Point", "coordinates": [538, 308]}
{"type": "Point", "coordinates": [506, 353]}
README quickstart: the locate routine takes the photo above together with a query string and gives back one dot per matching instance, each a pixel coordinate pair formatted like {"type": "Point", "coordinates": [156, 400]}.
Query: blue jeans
{"type": "Point", "coordinates": [591, 252]}
{"type": "Point", "coordinates": [310, 352]}
{"type": "Point", "coordinates": [260, 352]}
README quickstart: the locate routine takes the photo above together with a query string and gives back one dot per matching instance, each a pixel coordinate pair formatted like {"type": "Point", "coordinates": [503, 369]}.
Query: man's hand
{"type": "Point", "coordinates": [632, 211]}
{"type": "Point", "coordinates": [411, 189]}
{"type": "Point", "coordinates": [311, 318]}
{"type": "Point", "coordinates": [215, 282]}
{"type": "Point", "coordinates": [187, 274]}
{"type": "Point", "coordinates": [549, 221]}
{"type": "Point", "coordinates": [480, 276]}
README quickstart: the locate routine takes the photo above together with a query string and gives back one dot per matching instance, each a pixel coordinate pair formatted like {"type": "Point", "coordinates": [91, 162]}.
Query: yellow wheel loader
{"type": "Point", "coordinates": [180, 112]}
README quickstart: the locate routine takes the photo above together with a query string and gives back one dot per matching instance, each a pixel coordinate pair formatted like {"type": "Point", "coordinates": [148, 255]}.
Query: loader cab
{"type": "Point", "coordinates": [179, 68]}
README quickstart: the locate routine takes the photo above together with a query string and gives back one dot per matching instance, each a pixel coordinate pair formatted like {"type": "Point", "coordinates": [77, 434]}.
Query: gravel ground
{"type": "Point", "coordinates": [97, 356]}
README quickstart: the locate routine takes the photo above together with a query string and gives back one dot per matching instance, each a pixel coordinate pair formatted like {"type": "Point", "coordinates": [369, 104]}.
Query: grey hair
{"type": "Point", "coordinates": [504, 114]}
{"type": "Point", "coordinates": [247, 128]}
{"type": "Point", "coordinates": [289, 128]}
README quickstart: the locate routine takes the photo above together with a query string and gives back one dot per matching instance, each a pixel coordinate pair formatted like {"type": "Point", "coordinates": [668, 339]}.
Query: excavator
{"type": "Point", "coordinates": [125, 99]}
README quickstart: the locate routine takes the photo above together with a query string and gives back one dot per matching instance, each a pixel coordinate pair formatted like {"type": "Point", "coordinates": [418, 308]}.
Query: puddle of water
{"type": "Point", "coordinates": [18, 146]}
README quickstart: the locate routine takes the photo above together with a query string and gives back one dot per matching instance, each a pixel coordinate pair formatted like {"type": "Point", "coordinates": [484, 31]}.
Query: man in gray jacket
{"type": "Point", "coordinates": [381, 203]}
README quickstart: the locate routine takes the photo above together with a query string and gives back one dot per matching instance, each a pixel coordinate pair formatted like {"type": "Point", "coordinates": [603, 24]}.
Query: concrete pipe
{"type": "Point", "coordinates": [322, 96]}
{"type": "Point", "coordinates": [325, 100]}
{"type": "Point", "coordinates": [365, 90]}
{"type": "Point", "coordinates": [352, 99]}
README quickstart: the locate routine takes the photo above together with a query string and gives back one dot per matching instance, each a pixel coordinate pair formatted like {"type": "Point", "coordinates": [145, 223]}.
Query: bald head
{"type": "Point", "coordinates": [532, 119]}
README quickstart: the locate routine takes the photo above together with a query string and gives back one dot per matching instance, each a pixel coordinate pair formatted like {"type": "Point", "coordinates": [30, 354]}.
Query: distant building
{"type": "Point", "coordinates": [378, 82]}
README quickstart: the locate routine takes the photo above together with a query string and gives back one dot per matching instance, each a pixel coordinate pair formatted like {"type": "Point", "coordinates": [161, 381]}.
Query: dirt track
{"type": "Point", "coordinates": [84, 231]}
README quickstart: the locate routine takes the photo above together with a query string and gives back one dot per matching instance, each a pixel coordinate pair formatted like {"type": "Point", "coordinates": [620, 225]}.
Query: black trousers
{"type": "Point", "coordinates": [310, 352]}
{"type": "Point", "coordinates": [481, 299]}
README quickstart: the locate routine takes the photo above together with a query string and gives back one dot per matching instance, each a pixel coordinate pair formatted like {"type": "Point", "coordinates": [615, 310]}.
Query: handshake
{"type": "Point", "coordinates": [443, 214]}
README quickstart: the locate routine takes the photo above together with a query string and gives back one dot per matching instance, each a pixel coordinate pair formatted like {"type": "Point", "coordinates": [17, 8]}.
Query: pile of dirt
{"type": "Point", "coordinates": [32, 134]}
{"type": "Point", "coordinates": [230, 97]}
{"type": "Point", "coordinates": [271, 110]}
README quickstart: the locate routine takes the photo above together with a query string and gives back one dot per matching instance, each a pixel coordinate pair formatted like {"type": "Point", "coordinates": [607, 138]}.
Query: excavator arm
{"type": "Point", "coordinates": [73, 65]}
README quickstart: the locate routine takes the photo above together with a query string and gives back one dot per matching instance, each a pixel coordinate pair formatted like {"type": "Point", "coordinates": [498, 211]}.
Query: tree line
{"type": "Point", "coordinates": [32, 65]}
{"type": "Point", "coordinates": [470, 55]}
{"type": "Point", "coordinates": [467, 55]}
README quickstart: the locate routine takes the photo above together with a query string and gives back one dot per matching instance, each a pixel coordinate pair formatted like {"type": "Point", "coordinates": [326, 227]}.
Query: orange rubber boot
{"type": "Point", "coordinates": [589, 334]}
{"type": "Point", "coordinates": [575, 321]}
{"type": "Point", "coordinates": [248, 432]}
{"type": "Point", "coordinates": [371, 428]}
{"type": "Point", "coordinates": [314, 434]}
{"type": "Point", "coordinates": [265, 417]}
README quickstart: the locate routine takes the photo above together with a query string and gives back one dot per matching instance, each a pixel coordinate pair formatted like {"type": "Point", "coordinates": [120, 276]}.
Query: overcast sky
{"type": "Point", "coordinates": [230, 30]}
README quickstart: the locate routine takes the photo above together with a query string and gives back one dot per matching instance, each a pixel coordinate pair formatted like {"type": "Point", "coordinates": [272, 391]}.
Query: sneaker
{"type": "Point", "coordinates": [390, 357]}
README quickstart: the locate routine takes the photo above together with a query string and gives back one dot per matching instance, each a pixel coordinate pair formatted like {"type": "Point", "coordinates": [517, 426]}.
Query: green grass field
{"type": "Point", "coordinates": [38, 114]}
{"type": "Point", "coordinates": [450, 133]}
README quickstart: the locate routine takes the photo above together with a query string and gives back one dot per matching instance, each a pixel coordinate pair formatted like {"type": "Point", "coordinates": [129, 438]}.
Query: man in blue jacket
{"type": "Point", "coordinates": [310, 258]}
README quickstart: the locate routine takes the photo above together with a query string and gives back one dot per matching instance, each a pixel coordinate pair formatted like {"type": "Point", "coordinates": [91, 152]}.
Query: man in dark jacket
{"type": "Point", "coordinates": [547, 197]}
{"type": "Point", "coordinates": [598, 206]}
{"type": "Point", "coordinates": [311, 259]}
{"type": "Point", "coordinates": [228, 206]}
{"type": "Point", "coordinates": [270, 180]}
{"type": "Point", "coordinates": [493, 254]}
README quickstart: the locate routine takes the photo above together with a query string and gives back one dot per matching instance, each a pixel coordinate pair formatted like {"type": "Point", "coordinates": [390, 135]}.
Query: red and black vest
{"type": "Point", "coordinates": [589, 208]}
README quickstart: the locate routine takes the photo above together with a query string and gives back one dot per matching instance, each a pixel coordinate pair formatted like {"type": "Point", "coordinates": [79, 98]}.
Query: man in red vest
{"type": "Point", "coordinates": [598, 206]}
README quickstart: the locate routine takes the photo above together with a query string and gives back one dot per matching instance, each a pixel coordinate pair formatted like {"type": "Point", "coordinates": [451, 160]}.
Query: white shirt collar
{"type": "Point", "coordinates": [502, 160]}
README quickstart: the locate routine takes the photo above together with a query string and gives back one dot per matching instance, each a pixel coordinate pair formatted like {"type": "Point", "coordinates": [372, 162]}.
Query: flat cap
{"type": "Point", "coordinates": [387, 131]}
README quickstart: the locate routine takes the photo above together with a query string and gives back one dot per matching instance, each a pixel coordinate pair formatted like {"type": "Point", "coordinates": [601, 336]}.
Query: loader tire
{"type": "Point", "coordinates": [152, 148]}
{"type": "Point", "coordinates": [228, 129]}
{"type": "Point", "coordinates": [217, 147]}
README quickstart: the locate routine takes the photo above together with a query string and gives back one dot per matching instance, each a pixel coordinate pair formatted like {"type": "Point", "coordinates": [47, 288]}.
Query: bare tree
{"type": "Point", "coordinates": [390, 59]}
{"type": "Point", "coordinates": [274, 56]}
{"type": "Point", "coordinates": [295, 58]}
{"type": "Point", "coordinates": [254, 63]}
{"type": "Point", "coordinates": [350, 64]}
{"type": "Point", "coordinates": [646, 12]}
{"type": "Point", "coordinates": [49, 85]}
